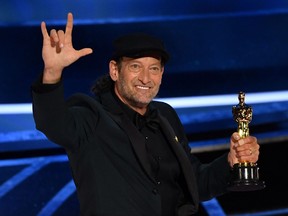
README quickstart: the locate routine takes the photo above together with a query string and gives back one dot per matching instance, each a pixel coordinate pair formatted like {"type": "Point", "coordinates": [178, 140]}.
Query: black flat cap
{"type": "Point", "coordinates": [139, 45]}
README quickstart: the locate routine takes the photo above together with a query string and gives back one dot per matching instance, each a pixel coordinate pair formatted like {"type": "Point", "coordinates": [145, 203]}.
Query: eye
{"type": "Point", "coordinates": [134, 67]}
{"type": "Point", "coordinates": [155, 69]}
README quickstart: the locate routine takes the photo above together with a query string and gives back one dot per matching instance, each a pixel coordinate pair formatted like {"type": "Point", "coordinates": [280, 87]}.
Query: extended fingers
{"type": "Point", "coordinates": [69, 27]}
{"type": "Point", "coordinates": [84, 52]}
{"type": "Point", "coordinates": [46, 37]}
{"type": "Point", "coordinates": [44, 30]}
{"type": "Point", "coordinates": [58, 37]}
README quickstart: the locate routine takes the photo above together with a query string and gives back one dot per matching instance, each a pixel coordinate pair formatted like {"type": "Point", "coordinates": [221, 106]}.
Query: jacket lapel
{"type": "Point", "coordinates": [183, 159]}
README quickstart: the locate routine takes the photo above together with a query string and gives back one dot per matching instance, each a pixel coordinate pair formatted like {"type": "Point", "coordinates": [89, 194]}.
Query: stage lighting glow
{"type": "Point", "coordinates": [223, 100]}
{"type": "Point", "coordinates": [181, 102]}
{"type": "Point", "coordinates": [25, 108]}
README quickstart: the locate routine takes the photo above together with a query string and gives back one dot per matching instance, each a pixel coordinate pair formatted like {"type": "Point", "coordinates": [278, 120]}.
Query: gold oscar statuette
{"type": "Point", "coordinates": [245, 174]}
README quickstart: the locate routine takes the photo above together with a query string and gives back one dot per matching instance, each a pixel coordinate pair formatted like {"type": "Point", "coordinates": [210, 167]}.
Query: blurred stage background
{"type": "Point", "coordinates": [217, 47]}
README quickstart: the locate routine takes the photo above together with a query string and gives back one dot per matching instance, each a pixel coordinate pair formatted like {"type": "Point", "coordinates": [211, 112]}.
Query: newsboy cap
{"type": "Point", "coordinates": [139, 45]}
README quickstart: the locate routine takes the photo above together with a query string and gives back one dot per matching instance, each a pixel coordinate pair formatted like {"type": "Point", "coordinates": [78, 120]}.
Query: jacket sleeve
{"type": "Point", "coordinates": [212, 177]}
{"type": "Point", "coordinates": [63, 125]}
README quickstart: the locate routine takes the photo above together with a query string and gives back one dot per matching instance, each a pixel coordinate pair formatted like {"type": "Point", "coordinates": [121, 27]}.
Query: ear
{"type": "Point", "coordinates": [113, 70]}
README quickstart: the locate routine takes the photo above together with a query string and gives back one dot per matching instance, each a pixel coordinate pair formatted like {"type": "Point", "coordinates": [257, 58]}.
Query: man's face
{"type": "Point", "coordinates": [138, 81]}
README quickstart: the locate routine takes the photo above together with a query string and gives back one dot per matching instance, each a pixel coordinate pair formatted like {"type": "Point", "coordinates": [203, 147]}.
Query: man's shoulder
{"type": "Point", "coordinates": [162, 106]}
{"type": "Point", "coordinates": [83, 100]}
{"type": "Point", "coordinates": [158, 103]}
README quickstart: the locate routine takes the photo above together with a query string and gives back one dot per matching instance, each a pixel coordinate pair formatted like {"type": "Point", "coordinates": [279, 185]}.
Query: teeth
{"type": "Point", "coordinates": [143, 87]}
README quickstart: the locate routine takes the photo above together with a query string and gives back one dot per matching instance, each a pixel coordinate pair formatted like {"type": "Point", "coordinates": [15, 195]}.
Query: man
{"type": "Point", "coordinates": [129, 155]}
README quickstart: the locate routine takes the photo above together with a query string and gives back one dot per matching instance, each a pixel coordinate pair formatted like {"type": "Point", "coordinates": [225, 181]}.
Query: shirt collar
{"type": "Point", "coordinates": [132, 114]}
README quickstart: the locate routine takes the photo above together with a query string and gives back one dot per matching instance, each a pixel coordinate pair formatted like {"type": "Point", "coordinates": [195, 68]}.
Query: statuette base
{"type": "Point", "coordinates": [245, 177]}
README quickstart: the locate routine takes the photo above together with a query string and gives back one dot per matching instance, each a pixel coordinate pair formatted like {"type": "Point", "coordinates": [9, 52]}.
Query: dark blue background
{"type": "Point", "coordinates": [216, 47]}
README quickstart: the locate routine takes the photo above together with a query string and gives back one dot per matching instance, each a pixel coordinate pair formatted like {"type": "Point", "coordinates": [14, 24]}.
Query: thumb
{"type": "Point", "coordinates": [235, 137]}
{"type": "Point", "coordinates": [84, 52]}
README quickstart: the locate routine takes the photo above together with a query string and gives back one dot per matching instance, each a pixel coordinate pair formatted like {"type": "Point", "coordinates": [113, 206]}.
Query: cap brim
{"type": "Point", "coordinates": [159, 54]}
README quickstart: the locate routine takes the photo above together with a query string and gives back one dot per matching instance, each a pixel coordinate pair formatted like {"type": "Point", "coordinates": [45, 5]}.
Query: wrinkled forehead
{"type": "Point", "coordinates": [143, 60]}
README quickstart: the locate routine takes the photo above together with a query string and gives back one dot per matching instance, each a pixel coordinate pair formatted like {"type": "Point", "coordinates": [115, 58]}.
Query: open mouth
{"type": "Point", "coordinates": [143, 87]}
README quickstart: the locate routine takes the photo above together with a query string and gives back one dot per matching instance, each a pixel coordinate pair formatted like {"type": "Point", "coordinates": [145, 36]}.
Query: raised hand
{"type": "Point", "coordinates": [58, 51]}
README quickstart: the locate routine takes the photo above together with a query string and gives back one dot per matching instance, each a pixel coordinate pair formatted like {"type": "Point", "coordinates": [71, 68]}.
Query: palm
{"type": "Point", "coordinates": [52, 56]}
{"type": "Point", "coordinates": [56, 56]}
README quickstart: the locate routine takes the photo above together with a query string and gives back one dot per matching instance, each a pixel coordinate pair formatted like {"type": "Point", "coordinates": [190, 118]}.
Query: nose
{"type": "Point", "coordinates": [144, 76]}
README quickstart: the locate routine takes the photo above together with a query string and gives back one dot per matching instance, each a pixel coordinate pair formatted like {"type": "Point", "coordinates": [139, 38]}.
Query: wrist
{"type": "Point", "coordinates": [51, 76]}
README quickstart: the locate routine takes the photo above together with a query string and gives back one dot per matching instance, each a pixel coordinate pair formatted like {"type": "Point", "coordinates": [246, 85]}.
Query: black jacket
{"type": "Point", "coordinates": [108, 159]}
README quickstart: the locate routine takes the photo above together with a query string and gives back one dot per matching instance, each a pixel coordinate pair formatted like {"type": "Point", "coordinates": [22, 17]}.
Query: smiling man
{"type": "Point", "coordinates": [137, 81]}
{"type": "Point", "coordinates": [129, 155]}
